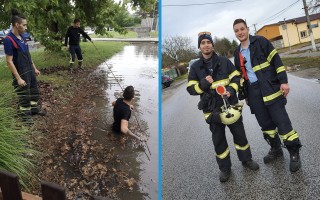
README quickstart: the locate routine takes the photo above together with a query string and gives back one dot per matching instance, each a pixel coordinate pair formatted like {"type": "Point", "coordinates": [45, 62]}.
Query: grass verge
{"type": "Point", "coordinates": [16, 155]}
{"type": "Point", "coordinates": [185, 76]}
{"type": "Point", "coordinates": [304, 62]}
{"type": "Point", "coordinates": [113, 34]}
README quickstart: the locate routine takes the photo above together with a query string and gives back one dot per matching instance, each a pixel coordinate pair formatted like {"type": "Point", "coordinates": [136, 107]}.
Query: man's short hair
{"type": "Point", "coordinates": [128, 93]}
{"type": "Point", "coordinates": [76, 21]}
{"type": "Point", "coordinates": [238, 21]}
{"type": "Point", "coordinates": [17, 17]}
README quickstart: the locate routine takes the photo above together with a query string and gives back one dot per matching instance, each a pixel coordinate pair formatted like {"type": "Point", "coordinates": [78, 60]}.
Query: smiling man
{"type": "Point", "coordinates": [205, 75]}
{"type": "Point", "coordinates": [267, 87]}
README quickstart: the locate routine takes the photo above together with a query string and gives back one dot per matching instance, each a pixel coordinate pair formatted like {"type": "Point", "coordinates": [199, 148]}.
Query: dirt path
{"type": "Point", "coordinates": [73, 159]}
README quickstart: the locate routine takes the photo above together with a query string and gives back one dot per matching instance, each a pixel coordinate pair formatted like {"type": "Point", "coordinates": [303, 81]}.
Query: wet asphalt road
{"type": "Point", "coordinates": [190, 170]}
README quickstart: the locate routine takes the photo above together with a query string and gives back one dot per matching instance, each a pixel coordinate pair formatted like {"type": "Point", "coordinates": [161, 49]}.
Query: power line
{"type": "Point", "coordinates": [199, 4]}
{"type": "Point", "coordinates": [277, 14]}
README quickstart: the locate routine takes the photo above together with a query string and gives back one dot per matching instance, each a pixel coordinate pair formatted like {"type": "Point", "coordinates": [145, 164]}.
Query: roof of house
{"type": "Point", "coordinates": [303, 19]}
{"type": "Point", "coordinates": [297, 20]}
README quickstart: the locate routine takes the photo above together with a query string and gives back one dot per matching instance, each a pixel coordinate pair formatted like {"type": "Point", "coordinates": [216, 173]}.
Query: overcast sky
{"type": "Point", "coordinates": [218, 18]}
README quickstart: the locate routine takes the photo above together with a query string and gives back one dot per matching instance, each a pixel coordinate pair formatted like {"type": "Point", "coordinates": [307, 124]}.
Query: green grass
{"type": "Point", "coordinates": [14, 148]}
{"type": "Point", "coordinates": [154, 34]}
{"type": "Point", "coordinates": [91, 58]}
{"type": "Point", "coordinates": [113, 34]}
{"type": "Point", "coordinates": [13, 135]}
{"type": "Point", "coordinates": [304, 62]}
{"type": "Point", "coordinates": [296, 46]}
{"type": "Point", "coordinates": [185, 76]}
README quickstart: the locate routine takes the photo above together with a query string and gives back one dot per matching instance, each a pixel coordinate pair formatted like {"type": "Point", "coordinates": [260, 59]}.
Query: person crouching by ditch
{"type": "Point", "coordinates": [122, 108]}
{"type": "Point", "coordinates": [23, 69]}
{"type": "Point", "coordinates": [205, 75]}
{"type": "Point", "coordinates": [73, 34]}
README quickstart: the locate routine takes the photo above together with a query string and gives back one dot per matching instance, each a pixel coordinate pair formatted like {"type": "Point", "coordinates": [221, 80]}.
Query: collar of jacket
{"type": "Point", "coordinates": [252, 39]}
{"type": "Point", "coordinates": [214, 58]}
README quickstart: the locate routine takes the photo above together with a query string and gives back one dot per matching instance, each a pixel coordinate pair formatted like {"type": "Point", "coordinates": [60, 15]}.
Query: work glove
{"type": "Point", "coordinates": [204, 84]}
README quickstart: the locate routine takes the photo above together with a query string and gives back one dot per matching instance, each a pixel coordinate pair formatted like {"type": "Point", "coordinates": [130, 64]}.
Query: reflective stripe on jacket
{"type": "Point", "coordinates": [225, 74]}
{"type": "Point", "coordinates": [268, 67]}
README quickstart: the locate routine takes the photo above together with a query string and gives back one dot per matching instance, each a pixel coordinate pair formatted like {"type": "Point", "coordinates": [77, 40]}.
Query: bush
{"type": "Point", "coordinates": [14, 151]}
{"type": "Point", "coordinates": [183, 70]}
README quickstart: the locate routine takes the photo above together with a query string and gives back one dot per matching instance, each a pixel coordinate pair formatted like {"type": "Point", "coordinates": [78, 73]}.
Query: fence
{"type": "Point", "coordinates": [10, 189]}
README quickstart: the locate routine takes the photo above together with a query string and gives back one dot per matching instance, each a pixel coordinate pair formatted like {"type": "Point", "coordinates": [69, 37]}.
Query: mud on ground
{"type": "Point", "coordinates": [72, 158]}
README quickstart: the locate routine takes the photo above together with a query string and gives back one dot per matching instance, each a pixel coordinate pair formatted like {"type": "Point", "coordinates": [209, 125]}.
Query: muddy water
{"type": "Point", "coordinates": [136, 65]}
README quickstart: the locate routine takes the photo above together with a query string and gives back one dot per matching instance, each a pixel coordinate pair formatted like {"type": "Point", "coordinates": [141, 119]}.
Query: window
{"type": "Point", "coordinates": [284, 26]}
{"type": "Point", "coordinates": [303, 34]}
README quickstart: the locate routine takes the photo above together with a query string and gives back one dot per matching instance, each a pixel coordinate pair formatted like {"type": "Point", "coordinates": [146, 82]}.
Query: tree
{"type": "Point", "coordinates": [224, 47]}
{"type": "Point", "coordinates": [234, 45]}
{"type": "Point", "coordinates": [177, 49]}
{"type": "Point", "coordinates": [167, 60]}
{"type": "Point", "coordinates": [314, 6]}
{"type": "Point", "coordinates": [48, 20]}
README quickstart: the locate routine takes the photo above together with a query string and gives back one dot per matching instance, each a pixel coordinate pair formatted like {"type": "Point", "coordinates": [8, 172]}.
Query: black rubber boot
{"type": "Point", "coordinates": [295, 162]}
{"type": "Point", "coordinates": [224, 175]}
{"type": "Point", "coordinates": [37, 111]}
{"type": "Point", "coordinates": [80, 65]}
{"type": "Point", "coordinates": [275, 151]}
{"type": "Point", "coordinates": [26, 117]}
{"type": "Point", "coordinates": [70, 68]}
{"type": "Point", "coordinates": [250, 164]}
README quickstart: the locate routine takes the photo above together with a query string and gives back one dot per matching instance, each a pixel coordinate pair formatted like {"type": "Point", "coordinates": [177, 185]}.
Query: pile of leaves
{"type": "Point", "coordinates": [73, 158]}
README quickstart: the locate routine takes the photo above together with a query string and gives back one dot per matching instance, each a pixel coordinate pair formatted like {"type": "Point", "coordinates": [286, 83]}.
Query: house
{"type": "Point", "coordinates": [292, 31]}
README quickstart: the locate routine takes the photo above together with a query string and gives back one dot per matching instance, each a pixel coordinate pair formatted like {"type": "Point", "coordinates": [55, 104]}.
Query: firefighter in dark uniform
{"type": "Point", "coordinates": [265, 90]}
{"type": "Point", "coordinates": [23, 69]}
{"type": "Point", "coordinates": [205, 75]}
{"type": "Point", "coordinates": [73, 34]}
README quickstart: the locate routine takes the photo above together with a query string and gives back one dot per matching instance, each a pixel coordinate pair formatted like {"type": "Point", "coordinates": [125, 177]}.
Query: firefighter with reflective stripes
{"type": "Point", "coordinates": [265, 90]}
{"type": "Point", "coordinates": [23, 69]}
{"type": "Point", "coordinates": [205, 75]}
{"type": "Point", "coordinates": [73, 35]}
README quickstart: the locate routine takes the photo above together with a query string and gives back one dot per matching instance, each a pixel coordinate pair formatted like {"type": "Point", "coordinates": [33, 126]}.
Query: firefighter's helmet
{"type": "Point", "coordinates": [231, 114]}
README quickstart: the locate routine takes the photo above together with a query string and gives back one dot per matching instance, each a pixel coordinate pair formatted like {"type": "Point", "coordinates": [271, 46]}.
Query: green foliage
{"type": "Point", "coordinates": [113, 34]}
{"type": "Point", "coordinates": [48, 20]}
{"type": "Point", "coordinates": [14, 151]}
{"type": "Point", "coordinates": [124, 19]}
{"type": "Point", "coordinates": [224, 47]}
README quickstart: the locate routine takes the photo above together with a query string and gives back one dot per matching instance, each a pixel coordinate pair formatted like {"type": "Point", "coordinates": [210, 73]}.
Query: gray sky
{"type": "Point", "coordinates": [218, 18]}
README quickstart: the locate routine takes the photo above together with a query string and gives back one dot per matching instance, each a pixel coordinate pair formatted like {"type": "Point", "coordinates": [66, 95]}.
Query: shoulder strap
{"type": "Point", "coordinates": [243, 70]}
{"type": "Point", "coordinates": [13, 42]}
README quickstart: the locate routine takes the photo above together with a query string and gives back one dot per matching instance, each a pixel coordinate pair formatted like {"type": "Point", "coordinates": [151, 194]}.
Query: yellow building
{"type": "Point", "coordinates": [292, 31]}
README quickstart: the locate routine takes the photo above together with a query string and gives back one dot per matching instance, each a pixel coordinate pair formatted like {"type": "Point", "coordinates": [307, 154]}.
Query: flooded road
{"type": "Point", "coordinates": [136, 65]}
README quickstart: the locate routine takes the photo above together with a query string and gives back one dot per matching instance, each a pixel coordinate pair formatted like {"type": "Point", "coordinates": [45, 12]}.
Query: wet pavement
{"type": "Point", "coordinates": [136, 65]}
{"type": "Point", "coordinates": [307, 51]}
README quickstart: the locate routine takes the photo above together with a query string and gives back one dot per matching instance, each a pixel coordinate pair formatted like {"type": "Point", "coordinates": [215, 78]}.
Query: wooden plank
{"type": "Point", "coordinates": [9, 184]}
{"type": "Point", "coordinates": [51, 191]}
{"type": "Point", "coordinates": [27, 196]}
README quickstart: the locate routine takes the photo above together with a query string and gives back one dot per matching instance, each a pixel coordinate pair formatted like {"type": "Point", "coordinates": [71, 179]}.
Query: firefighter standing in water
{"type": "Point", "coordinates": [266, 89]}
{"type": "Point", "coordinates": [205, 75]}
{"type": "Point", "coordinates": [23, 69]}
{"type": "Point", "coordinates": [73, 34]}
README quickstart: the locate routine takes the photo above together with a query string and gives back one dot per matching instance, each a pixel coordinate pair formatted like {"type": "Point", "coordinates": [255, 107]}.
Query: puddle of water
{"type": "Point", "coordinates": [136, 65]}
